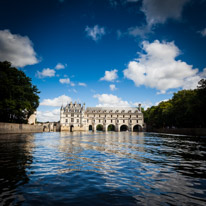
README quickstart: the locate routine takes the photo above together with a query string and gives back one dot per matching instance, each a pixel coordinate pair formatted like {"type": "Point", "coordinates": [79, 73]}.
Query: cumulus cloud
{"type": "Point", "coordinates": [203, 32]}
{"type": "Point", "coordinates": [110, 75]}
{"type": "Point", "coordinates": [109, 100]}
{"type": "Point", "coordinates": [60, 66]}
{"type": "Point", "coordinates": [51, 116]}
{"type": "Point", "coordinates": [112, 87]}
{"type": "Point", "coordinates": [158, 11]}
{"type": "Point", "coordinates": [46, 73]}
{"type": "Point", "coordinates": [95, 32]}
{"type": "Point", "coordinates": [16, 49]}
{"type": "Point", "coordinates": [56, 102]}
{"type": "Point", "coordinates": [64, 81]}
{"type": "Point", "coordinates": [82, 84]}
{"type": "Point", "coordinates": [159, 69]}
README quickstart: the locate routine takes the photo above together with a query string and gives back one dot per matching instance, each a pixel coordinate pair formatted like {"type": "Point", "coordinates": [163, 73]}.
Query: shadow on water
{"type": "Point", "coordinates": [15, 158]}
{"type": "Point", "coordinates": [102, 169]}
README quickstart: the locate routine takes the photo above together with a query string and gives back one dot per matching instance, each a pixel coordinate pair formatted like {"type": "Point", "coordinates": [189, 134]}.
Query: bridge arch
{"type": "Point", "coordinates": [99, 127]}
{"type": "Point", "coordinates": [71, 128]}
{"type": "Point", "coordinates": [111, 127]}
{"type": "Point", "coordinates": [124, 128]}
{"type": "Point", "coordinates": [90, 127]}
{"type": "Point", "coordinates": [137, 128]}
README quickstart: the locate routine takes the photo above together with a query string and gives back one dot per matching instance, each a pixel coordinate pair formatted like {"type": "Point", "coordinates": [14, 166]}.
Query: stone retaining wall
{"type": "Point", "coordinates": [19, 128]}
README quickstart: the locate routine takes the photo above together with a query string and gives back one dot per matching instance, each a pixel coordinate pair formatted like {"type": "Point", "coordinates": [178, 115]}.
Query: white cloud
{"type": "Point", "coordinates": [109, 100]}
{"type": "Point", "coordinates": [139, 31]}
{"type": "Point", "coordinates": [158, 11]}
{"type": "Point", "coordinates": [82, 84]}
{"type": "Point", "coordinates": [203, 32]}
{"type": "Point", "coordinates": [51, 116]}
{"type": "Point", "coordinates": [96, 32]}
{"type": "Point", "coordinates": [110, 75]}
{"type": "Point", "coordinates": [60, 66]}
{"type": "Point", "coordinates": [56, 102]}
{"type": "Point", "coordinates": [145, 104]}
{"type": "Point", "coordinates": [16, 49]}
{"type": "Point", "coordinates": [159, 69]}
{"type": "Point", "coordinates": [112, 87]}
{"type": "Point", "coordinates": [46, 73]}
{"type": "Point", "coordinates": [64, 81]}
{"type": "Point", "coordinates": [72, 84]}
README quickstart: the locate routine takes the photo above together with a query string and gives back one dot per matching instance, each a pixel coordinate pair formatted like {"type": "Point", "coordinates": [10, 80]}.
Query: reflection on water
{"type": "Point", "coordinates": [102, 169]}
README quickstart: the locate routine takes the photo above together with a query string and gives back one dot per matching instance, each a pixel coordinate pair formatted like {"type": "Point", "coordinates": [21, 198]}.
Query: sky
{"type": "Point", "coordinates": [105, 52]}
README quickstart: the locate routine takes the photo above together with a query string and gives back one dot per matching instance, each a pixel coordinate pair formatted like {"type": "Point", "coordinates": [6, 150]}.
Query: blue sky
{"type": "Point", "coordinates": [105, 52]}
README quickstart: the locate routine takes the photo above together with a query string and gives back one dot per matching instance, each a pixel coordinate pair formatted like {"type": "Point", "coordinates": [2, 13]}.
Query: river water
{"type": "Point", "coordinates": [102, 169]}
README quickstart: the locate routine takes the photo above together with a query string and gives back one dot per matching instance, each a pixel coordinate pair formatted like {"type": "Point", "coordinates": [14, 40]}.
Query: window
{"type": "Point", "coordinates": [111, 120]}
{"type": "Point", "coordinates": [111, 115]}
{"type": "Point", "coordinates": [137, 121]}
{"type": "Point", "coordinates": [99, 115]}
{"type": "Point", "coordinates": [130, 121]}
{"type": "Point", "coordinates": [99, 121]}
{"type": "Point", "coordinates": [77, 115]}
{"type": "Point", "coordinates": [117, 121]}
{"type": "Point", "coordinates": [87, 121]}
{"type": "Point", "coordinates": [105, 115]}
{"type": "Point", "coordinates": [72, 114]}
{"type": "Point", "coordinates": [66, 120]}
{"type": "Point", "coordinates": [66, 115]}
{"type": "Point", "coordinates": [123, 121]}
{"type": "Point", "coordinates": [77, 120]}
{"type": "Point", "coordinates": [130, 116]}
{"type": "Point", "coordinates": [137, 116]}
{"type": "Point", "coordinates": [123, 116]}
{"type": "Point", "coordinates": [72, 119]}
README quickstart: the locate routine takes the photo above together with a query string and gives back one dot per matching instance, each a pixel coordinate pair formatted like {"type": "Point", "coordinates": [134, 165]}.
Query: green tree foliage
{"type": "Point", "coordinates": [111, 127]}
{"type": "Point", "coordinates": [99, 127]}
{"type": "Point", "coordinates": [18, 97]}
{"type": "Point", "coordinates": [186, 109]}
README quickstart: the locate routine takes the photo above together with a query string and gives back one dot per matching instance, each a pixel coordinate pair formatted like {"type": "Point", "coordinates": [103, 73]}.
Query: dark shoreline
{"type": "Point", "coordinates": [181, 131]}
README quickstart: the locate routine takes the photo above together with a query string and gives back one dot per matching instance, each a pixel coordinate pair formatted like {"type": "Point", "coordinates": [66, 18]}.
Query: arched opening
{"type": "Point", "coordinates": [45, 128]}
{"type": "Point", "coordinates": [99, 127]}
{"type": "Point", "coordinates": [111, 127]}
{"type": "Point", "coordinates": [123, 128]}
{"type": "Point", "coordinates": [137, 128]}
{"type": "Point", "coordinates": [71, 128]}
{"type": "Point", "coordinates": [90, 127]}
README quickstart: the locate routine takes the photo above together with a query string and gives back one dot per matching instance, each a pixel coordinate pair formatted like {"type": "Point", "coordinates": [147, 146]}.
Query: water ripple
{"type": "Point", "coordinates": [102, 169]}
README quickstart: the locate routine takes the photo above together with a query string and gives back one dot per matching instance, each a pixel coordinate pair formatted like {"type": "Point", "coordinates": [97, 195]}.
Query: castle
{"type": "Point", "coordinates": [75, 117]}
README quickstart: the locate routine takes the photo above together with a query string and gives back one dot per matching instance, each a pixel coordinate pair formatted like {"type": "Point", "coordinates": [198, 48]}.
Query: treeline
{"type": "Point", "coordinates": [186, 109]}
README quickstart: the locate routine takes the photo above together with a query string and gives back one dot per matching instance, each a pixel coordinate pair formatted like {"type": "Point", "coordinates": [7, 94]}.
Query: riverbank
{"type": "Point", "coordinates": [9, 128]}
{"type": "Point", "coordinates": [183, 131]}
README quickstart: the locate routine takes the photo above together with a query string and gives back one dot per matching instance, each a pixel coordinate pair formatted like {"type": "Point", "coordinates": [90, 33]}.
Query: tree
{"type": "Point", "coordinates": [185, 109]}
{"type": "Point", "coordinates": [18, 97]}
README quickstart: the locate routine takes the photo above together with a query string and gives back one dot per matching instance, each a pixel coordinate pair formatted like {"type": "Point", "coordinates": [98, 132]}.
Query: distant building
{"type": "Point", "coordinates": [74, 117]}
{"type": "Point", "coordinates": [32, 119]}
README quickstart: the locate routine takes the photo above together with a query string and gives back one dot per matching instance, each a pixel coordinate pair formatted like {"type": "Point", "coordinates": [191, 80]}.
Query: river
{"type": "Point", "coordinates": [102, 169]}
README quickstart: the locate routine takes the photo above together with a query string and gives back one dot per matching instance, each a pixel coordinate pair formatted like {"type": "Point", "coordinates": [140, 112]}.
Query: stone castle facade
{"type": "Point", "coordinates": [75, 117]}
